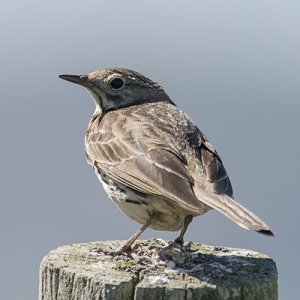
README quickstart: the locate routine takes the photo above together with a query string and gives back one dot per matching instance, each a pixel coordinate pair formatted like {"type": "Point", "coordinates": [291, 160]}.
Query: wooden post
{"type": "Point", "coordinates": [91, 271]}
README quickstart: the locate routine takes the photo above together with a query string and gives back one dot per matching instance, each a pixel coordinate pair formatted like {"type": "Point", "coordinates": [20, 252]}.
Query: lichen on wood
{"type": "Point", "coordinates": [153, 271]}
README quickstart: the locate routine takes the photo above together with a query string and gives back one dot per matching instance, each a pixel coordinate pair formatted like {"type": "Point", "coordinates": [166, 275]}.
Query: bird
{"type": "Point", "coordinates": [153, 161]}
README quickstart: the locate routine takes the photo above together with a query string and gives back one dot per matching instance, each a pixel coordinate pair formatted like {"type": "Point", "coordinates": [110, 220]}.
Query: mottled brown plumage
{"type": "Point", "coordinates": [152, 160]}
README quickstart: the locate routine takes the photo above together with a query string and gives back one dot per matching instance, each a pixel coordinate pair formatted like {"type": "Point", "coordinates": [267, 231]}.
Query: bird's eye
{"type": "Point", "coordinates": [117, 83]}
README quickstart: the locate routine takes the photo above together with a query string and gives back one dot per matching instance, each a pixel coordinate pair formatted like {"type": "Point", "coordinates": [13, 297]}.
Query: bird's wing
{"type": "Point", "coordinates": [217, 178]}
{"type": "Point", "coordinates": [217, 193]}
{"type": "Point", "coordinates": [148, 164]}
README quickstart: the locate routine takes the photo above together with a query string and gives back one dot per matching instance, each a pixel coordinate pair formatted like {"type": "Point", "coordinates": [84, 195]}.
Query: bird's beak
{"type": "Point", "coordinates": [78, 79]}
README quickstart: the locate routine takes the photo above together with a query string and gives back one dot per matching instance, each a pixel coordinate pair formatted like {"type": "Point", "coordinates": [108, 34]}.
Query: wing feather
{"type": "Point", "coordinates": [146, 164]}
{"type": "Point", "coordinates": [181, 166]}
{"type": "Point", "coordinates": [158, 172]}
{"type": "Point", "coordinates": [215, 170]}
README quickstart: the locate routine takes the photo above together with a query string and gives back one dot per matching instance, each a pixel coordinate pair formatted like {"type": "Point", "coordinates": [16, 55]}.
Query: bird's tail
{"type": "Point", "coordinates": [236, 212]}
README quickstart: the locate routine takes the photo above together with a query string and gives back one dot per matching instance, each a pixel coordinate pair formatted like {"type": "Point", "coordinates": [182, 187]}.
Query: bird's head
{"type": "Point", "coordinates": [114, 88]}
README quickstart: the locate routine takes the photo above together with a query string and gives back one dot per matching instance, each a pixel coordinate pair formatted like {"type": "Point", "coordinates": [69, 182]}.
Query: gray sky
{"type": "Point", "coordinates": [233, 66]}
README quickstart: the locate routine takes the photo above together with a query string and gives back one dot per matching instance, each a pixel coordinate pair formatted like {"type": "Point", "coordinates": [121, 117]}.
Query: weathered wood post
{"type": "Point", "coordinates": [91, 271]}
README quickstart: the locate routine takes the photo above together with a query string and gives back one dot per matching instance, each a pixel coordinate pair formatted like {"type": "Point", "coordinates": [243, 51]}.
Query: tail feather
{"type": "Point", "coordinates": [236, 212]}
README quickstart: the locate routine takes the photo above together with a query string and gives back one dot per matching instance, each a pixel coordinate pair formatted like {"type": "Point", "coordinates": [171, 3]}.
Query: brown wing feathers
{"type": "Point", "coordinates": [151, 165]}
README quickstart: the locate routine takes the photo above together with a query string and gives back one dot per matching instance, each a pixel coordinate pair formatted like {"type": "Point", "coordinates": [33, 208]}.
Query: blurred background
{"type": "Point", "coordinates": [233, 66]}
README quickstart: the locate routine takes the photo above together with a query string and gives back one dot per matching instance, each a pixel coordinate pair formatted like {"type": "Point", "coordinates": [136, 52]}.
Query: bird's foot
{"type": "Point", "coordinates": [118, 250]}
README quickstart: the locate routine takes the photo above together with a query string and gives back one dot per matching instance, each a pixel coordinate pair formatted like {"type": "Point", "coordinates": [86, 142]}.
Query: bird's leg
{"type": "Point", "coordinates": [127, 245]}
{"type": "Point", "coordinates": [188, 219]}
{"type": "Point", "coordinates": [179, 241]}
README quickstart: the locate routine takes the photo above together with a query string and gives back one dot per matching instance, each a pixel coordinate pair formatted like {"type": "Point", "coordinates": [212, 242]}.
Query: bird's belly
{"type": "Point", "coordinates": [140, 207]}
